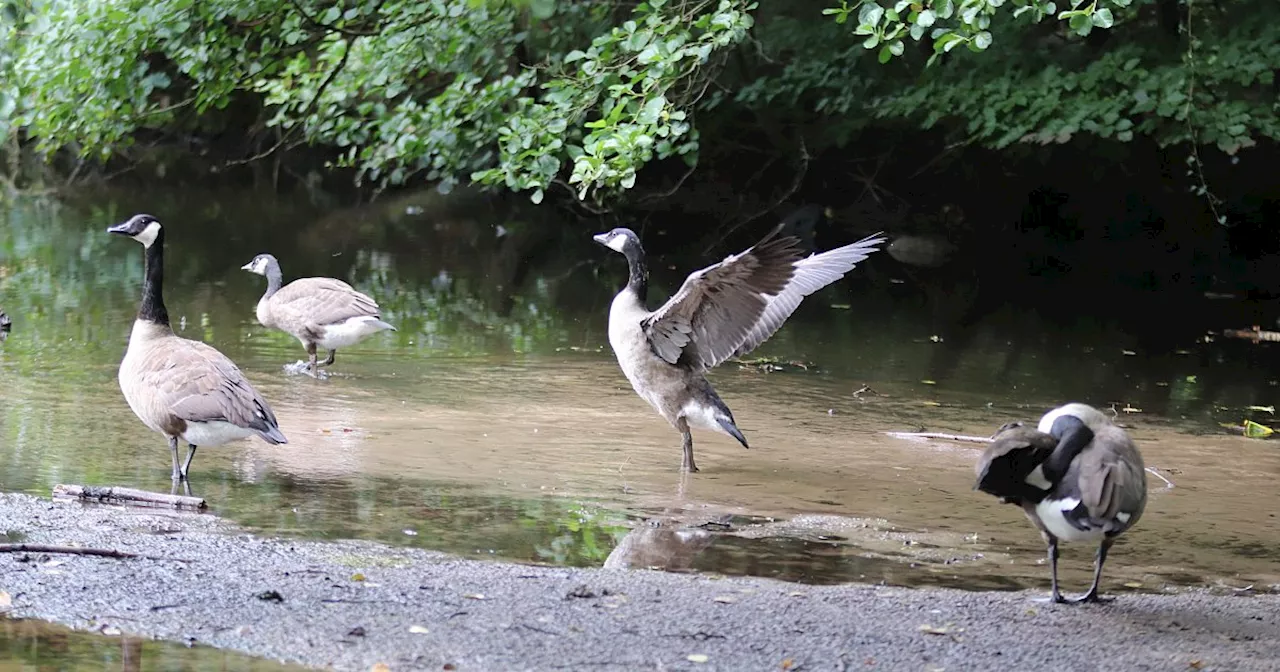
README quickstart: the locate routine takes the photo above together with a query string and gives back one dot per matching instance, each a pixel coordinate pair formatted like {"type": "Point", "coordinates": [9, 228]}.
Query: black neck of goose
{"type": "Point", "coordinates": [638, 282]}
{"type": "Point", "coordinates": [274, 280]}
{"type": "Point", "coordinates": [152, 308]}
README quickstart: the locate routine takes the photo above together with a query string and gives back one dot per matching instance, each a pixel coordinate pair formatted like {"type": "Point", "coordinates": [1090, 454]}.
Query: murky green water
{"type": "Point", "coordinates": [495, 423]}
{"type": "Point", "coordinates": [32, 646]}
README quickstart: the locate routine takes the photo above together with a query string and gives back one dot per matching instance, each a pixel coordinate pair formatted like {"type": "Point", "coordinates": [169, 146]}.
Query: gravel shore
{"type": "Point", "coordinates": [352, 605]}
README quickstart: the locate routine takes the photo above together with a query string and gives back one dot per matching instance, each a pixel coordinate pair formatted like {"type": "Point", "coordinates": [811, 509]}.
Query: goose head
{"type": "Point", "coordinates": [620, 240]}
{"type": "Point", "coordinates": [260, 264]}
{"type": "Point", "coordinates": [142, 228]}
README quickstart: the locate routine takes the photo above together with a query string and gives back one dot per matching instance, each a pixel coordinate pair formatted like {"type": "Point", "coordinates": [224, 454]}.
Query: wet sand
{"type": "Point", "coordinates": [351, 605]}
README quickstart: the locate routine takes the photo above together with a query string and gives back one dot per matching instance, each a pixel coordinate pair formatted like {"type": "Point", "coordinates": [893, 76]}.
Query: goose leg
{"type": "Point", "coordinates": [1098, 560]}
{"type": "Point", "coordinates": [311, 354]}
{"type": "Point", "coordinates": [330, 359]}
{"type": "Point", "coordinates": [173, 450]}
{"type": "Point", "coordinates": [687, 465]}
{"type": "Point", "coordinates": [191, 452]}
{"type": "Point", "coordinates": [1053, 568]}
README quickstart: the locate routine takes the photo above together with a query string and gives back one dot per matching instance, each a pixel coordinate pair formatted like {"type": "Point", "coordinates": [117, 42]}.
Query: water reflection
{"type": "Point", "coordinates": [495, 423]}
{"type": "Point", "coordinates": [34, 645]}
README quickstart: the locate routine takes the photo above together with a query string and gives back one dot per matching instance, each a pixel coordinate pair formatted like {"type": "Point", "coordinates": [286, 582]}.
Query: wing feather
{"type": "Point", "coordinates": [730, 308]}
{"type": "Point", "coordinates": [323, 301]}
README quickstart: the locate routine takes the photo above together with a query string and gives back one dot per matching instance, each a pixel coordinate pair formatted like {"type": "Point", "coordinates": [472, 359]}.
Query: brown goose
{"type": "Point", "coordinates": [1077, 477]}
{"type": "Point", "coordinates": [320, 312]}
{"type": "Point", "coordinates": [181, 388]}
{"type": "Point", "coordinates": [723, 310]}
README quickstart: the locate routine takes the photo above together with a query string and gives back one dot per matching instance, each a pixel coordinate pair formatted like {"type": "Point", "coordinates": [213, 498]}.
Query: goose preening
{"type": "Point", "coordinates": [1077, 476]}
{"type": "Point", "coordinates": [181, 388]}
{"type": "Point", "coordinates": [320, 312]}
{"type": "Point", "coordinates": [721, 311]}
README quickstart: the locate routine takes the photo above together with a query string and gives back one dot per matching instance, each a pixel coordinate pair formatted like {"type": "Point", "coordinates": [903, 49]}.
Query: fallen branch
{"type": "Point", "coordinates": [1255, 334]}
{"type": "Point", "coordinates": [939, 435]}
{"type": "Point", "coordinates": [67, 550]}
{"type": "Point", "coordinates": [127, 496]}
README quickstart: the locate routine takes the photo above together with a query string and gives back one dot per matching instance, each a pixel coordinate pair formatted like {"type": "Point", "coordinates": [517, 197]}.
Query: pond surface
{"type": "Point", "coordinates": [496, 424]}
{"type": "Point", "coordinates": [33, 646]}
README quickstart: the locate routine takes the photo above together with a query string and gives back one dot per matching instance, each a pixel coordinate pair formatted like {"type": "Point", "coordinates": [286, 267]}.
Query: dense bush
{"type": "Point", "coordinates": [531, 94]}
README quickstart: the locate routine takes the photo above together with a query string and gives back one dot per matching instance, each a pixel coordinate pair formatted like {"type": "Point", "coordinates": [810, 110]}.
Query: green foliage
{"type": "Point", "coordinates": [951, 23]}
{"type": "Point", "coordinates": [1044, 84]}
{"type": "Point", "coordinates": [532, 95]}
{"type": "Point", "coordinates": [526, 94]}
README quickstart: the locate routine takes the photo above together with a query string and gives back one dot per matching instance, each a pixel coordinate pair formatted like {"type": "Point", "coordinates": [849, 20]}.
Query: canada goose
{"type": "Point", "coordinates": [1078, 477]}
{"type": "Point", "coordinates": [319, 312]}
{"type": "Point", "coordinates": [723, 310]}
{"type": "Point", "coordinates": [181, 388]}
{"type": "Point", "coordinates": [5, 325]}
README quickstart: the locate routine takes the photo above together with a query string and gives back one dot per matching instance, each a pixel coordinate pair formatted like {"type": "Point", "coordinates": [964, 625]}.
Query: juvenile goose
{"type": "Point", "coordinates": [723, 310]}
{"type": "Point", "coordinates": [319, 312]}
{"type": "Point", "coordinates": [181, 388]}
{"type": "Point", "coordinates": [1077, 477]}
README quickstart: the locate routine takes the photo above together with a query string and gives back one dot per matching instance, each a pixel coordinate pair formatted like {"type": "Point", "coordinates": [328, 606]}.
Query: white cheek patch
{"type": "Point", "coordinates": [149, 234]}
{"type": "Point", "coordinates": [1036, 478]}
{"type": "Point", "coordinates": [617, 242]}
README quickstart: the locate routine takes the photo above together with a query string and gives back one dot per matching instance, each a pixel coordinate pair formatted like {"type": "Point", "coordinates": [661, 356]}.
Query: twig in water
{"type": "Point", "coordinates": [1167, 483]}
{"type": "Point", "coordinates": [939, 435]}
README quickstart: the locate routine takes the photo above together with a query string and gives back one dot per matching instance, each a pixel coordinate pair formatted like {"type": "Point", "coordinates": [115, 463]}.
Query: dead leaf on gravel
{"type": "Point", "coordinates": [357, 577]}
{"type": "Point", "coordinates": [380, 667]}
{"type": "Point", "coordinates": [475, 596]}
{"type": "Point", "coordinates": [788, 664]}
{"type": "Point", "coordinates": [6, 601]}
{"type": "Point", "coordinates": [418, 630]}
{"type": "Point", "coordinates": [1196, 664]}
{"type": "Point", "coordinates": [724, 599]}
{"type": "Point", "coordinates": [698, 657]}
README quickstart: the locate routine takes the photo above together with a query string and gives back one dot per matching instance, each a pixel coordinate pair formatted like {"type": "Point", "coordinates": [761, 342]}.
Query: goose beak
{"type": "Point", "coordinates": [121, 228]}
{"type": "Point", "coordinates": [247, 267]}
{"type": "Point", "coordinates": [602, 238]}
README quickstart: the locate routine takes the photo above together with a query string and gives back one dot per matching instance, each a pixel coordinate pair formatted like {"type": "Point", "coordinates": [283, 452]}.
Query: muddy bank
{"type": "Point", "coordinates": [351, 605]}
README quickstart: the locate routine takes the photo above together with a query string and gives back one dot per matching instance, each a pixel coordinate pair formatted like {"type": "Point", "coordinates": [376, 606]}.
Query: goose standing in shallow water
{"type": "Point", "coordinates": [181, 388]}
{"type": "Point", "coordinates": [320, 312]}
{"type": "Point", "coordinates": [1078, 477]}
{"type": "Point", "coordinates": [723, 310]}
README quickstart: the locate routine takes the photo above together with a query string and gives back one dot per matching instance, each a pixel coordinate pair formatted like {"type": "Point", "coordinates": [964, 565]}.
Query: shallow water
{"type": "Point", "coordinates": [495, 422]}
{"type": "Point", "coordinates": [31, 646]}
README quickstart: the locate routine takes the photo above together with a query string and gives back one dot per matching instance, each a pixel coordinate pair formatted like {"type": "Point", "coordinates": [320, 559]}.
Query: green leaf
{"type": "Point", "coordinates": [926, 18]}
{"type": "Point", "coordinates": [884, 54]}
{"type": "Point", "coordinates": [574, 55]}
{"type": "Point", "coordinates": [536, 197]}
{"type": "Point", "coordinates": [982, 40]}
{"type": "Point", "coordinates": [871, 42]}
{"type": "Point", "coordinates": [1102, 18]}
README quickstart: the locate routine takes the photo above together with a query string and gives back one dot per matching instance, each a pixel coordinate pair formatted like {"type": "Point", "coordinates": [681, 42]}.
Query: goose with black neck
{"type": "Point", "coordinates": [183, 389]}
{"type": "Point", "coordinates": [724, 310]}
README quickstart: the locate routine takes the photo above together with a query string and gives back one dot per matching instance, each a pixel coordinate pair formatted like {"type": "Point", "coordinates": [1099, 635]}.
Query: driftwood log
{"type": "Point", "coordinates": [126, 496]}
{"type": "Point", "coordinates": [1255, 334]}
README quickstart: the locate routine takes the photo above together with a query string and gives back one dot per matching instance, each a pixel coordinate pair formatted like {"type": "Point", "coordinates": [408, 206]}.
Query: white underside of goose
{"type": "Point", "coordinates": [1053, 516]}
{"type": "Point", "coordinates": [214, 433]}
{"type": "Point", "coordinates": [349, 332]}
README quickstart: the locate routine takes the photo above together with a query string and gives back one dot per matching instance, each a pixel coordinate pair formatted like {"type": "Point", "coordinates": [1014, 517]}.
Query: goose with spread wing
{"type": "Point", "coordinates": [1077, 477]}
{"type": "Point", "coordinates": [724, 310]}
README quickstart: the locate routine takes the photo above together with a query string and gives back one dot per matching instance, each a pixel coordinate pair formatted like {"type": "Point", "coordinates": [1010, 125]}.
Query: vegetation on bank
{"type": "Point", "coordinates": [536, 95]}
